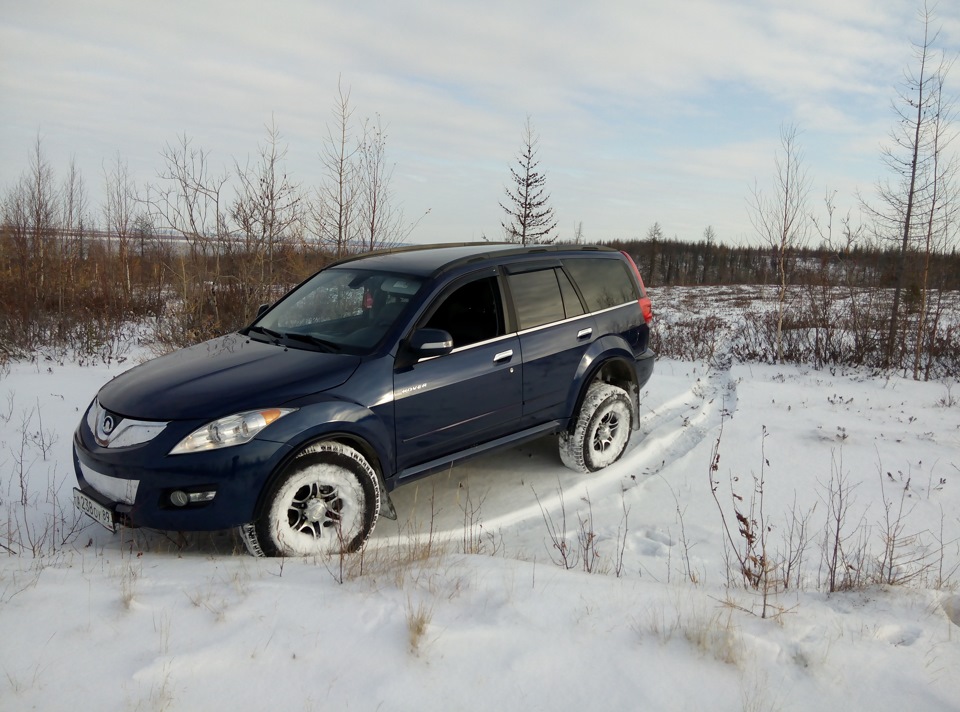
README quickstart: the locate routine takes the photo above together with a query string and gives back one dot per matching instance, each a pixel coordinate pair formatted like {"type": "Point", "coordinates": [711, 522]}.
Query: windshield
{"type": "Point", "coordinates": [340, 309]}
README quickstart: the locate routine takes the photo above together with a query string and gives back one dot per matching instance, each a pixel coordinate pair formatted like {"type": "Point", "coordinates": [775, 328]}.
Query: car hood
{"type": "Point", "coordinates": [223, 376]}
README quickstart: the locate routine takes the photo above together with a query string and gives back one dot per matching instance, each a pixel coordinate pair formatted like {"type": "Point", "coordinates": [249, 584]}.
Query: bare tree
{"type": "Point", "coordinates": [42, 199]}
{"type": "Point", "coordinates": [74, 219]}
{"type": "Point", "coordinates": [709, 235]}
{"type": "Point", "coordinates": [939, 222]}
{"type": "Point", "coordinates": [41, 218]}
{"type": "Point", "coordinates": [914, 202]}
{"type": "Point", "coordinates": [154, 255]}
{"type": "Point", "coordinates": [74, 222]}
{"type": "Point", "coordinates": [578, 237]}
{"type": "Point", "coordinates": [781, 217]}
{"type": "Point", "coordinates": [654, 237]}
{"type": "Point", "coordinates": [118, 213]}
{"type": "Point", "coordinates": [381, 221]}
{"type": "Point", "coordinates": [857, 317]}
{"type": "Point", "coordinates": [268, 209]}
{"type": "Point", "coordinates": [30, 215]}
{"type": "Point", "coordinates": [335, 220]}
{"type": "Point", "coordinates": [190, 200]}
{"type": "Point", "coordinates": [530, 219]}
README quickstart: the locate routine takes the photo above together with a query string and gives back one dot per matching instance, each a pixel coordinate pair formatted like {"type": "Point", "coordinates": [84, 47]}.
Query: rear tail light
{"type": "Point", "coordinates": [646, 306]}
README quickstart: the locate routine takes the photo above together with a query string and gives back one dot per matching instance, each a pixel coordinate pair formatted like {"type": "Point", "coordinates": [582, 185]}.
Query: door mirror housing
{"type": "Point", "coordinates": [430, 342]}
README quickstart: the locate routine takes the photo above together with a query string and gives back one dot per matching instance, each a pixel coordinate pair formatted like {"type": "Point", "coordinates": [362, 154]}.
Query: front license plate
{"type": "Point", "coordinates": [94, 509]}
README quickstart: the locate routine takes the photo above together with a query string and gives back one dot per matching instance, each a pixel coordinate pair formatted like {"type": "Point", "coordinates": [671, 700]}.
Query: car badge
{"type": "Point", "coordinates": [108, 424]}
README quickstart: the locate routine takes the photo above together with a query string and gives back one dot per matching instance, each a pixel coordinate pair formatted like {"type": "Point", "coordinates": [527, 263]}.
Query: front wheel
{"type": "Point", "coordinates": [602, 430]}
{"type": "Point", "coordinates": [326, 502]}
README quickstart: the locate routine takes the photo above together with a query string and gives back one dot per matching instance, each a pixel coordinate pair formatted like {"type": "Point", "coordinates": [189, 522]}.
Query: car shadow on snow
{"type": "Point", "coordinates": [489, 492]}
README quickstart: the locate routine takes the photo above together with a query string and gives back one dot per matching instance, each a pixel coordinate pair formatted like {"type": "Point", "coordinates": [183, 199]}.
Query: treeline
{"type": "Point", "coordinates": [193, 256]}
{"type": "Point", "coordinates": [668, 263]}
{"type": "Point", "coordinates": [70, 292]}
{"type": "Point", "coordinates": [84, 294]}
{"type": "Point", "coordinates": [190, 255]}
{"type": "Point", "coordinates": [837, 306]}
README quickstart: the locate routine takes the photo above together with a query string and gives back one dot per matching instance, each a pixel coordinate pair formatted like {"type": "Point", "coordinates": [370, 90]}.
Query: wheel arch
{"type": "Point", "coordinates": [358, 442]}
{"type": "Point", "coordinates": [616, 368]}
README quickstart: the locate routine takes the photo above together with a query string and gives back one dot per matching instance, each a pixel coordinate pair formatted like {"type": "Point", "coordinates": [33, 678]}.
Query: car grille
{"type": "Point", "coordinates": [124, 432]}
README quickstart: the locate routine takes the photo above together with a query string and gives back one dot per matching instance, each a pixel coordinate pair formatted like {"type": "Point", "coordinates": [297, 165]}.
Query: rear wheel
{"type": "Point", "coordinates": [326, 502]}
{"type": "Point", "coordinates": [602, 430]}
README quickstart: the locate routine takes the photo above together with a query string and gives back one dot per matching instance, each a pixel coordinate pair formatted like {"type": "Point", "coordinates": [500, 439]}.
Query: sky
{"type": "Point", "coordinates": [646, 113]}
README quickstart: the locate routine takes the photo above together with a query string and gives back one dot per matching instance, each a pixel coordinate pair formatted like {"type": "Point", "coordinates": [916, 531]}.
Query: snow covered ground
{"type": "Point", "coordinates": [464, 602]}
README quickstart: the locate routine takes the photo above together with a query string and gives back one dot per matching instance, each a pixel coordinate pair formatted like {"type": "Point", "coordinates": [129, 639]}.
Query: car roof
{"type": "Point", "coordinates": [425, 260]}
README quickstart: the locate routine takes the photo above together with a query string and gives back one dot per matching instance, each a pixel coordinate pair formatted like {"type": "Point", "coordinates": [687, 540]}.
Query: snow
{"type": "Point", "coordinates": [461, 604]}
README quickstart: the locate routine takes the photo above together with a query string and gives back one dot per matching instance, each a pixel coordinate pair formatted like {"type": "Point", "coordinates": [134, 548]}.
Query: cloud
{"type": "Point", "coordinates": [640, 107]}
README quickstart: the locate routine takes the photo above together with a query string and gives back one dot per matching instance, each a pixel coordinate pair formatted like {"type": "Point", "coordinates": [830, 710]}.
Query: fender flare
{"type": "Point", "coordinates": [611, 356]}
{"type": "Point", "coordinates": [356, 426]}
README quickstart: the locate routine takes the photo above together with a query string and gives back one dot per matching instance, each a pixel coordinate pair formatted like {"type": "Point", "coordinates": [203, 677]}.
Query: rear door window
{"type": "Point", "coordinates": [604, 283]}
{"type": "Point", "coordinates": [537, 298]}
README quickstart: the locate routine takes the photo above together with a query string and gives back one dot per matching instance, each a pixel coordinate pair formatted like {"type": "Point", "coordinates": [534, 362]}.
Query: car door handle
{"type": "Point", "coordinates": [584, 333]}
{"type": "Point", "coordinates": [503, 356]}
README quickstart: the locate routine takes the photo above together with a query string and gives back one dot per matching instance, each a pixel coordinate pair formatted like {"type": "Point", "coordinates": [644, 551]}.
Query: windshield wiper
{"type": "Point", "coordinates": [275, 335]}
{"type": "Point", "coordinates": [314, 340]}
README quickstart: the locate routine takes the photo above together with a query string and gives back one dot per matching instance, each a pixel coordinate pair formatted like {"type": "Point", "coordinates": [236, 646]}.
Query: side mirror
{"type": "Point", "coordinates": [430, 342]}
{"type": "Point", "coordinates": [261, 309]}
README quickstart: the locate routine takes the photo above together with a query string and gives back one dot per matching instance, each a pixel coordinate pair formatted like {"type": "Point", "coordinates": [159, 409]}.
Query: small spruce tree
{"type": "Point", "coordinates": [530, 219]}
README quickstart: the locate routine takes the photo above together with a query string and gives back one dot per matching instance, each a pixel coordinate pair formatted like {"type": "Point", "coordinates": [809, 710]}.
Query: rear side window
{"type": "Point", "coordinates": [571, 302]}
{"type": "Point", "coordinates": [603, 283]}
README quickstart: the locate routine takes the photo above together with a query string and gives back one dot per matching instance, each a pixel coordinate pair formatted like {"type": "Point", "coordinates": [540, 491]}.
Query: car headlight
{"type": "Point", "coordinates": [229, 431]}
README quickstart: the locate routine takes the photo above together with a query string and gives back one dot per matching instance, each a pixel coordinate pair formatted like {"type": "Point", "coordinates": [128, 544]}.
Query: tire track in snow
{"type": "Point", "coordinates": [666, 433]}
{"type": "Point", "coordinates": [674, 430]}
{"type": "Point", "coordinates": [683, 422]}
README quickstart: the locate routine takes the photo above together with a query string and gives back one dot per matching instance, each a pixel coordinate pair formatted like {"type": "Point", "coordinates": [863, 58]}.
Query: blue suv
{"type": "Point", "coordinates": [374, 371]}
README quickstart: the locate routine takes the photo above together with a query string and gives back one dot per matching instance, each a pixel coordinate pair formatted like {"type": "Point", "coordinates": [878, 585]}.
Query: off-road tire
{"type": "Point", "coordinates": [326, 502]}
{"type": "Point", "coordinates": [602, 429]}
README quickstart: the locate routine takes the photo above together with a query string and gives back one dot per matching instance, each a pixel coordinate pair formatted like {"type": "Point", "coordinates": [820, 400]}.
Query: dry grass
{"type": "Point", "coordinates": [419, 616]}
{"type": "Point", "coordinates": [711, 632]}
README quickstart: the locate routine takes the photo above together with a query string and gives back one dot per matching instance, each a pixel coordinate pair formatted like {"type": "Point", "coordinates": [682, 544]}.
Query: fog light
{"type": "Point", "coordinates": [179, 499]}
{"type": "Point", "coordinates": [201, 496]}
